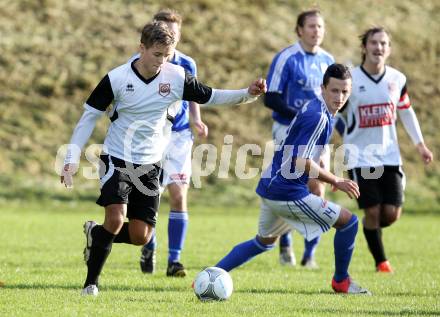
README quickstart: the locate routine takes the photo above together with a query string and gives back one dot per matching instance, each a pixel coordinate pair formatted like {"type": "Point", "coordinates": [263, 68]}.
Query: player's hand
{"type": "Point", "coordinates": [67, 174]}
{"type": "Point", "coordinates": [202, 128]}
{"type": "Point", "coordinates": [257, 87]}
{"type": "Point", "coordinates": [425, 153]}
{"type": "Point", "coordinates": [347, 186]}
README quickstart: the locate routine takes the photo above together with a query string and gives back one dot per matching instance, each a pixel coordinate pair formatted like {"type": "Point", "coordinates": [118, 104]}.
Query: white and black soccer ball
{"type": "Point", "coordinates": [213, 283]}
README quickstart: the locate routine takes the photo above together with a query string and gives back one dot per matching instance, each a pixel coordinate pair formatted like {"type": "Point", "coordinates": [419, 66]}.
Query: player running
{"type": "Point", "coordinates": [370, 137]}
{"type": "Point", "coordinates": [176, 165]}
{"type": "Point", "coordinates": [146, 95]}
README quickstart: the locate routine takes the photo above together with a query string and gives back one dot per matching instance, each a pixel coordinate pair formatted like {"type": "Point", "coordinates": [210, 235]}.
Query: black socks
{"type": "Point", "coordinates": [374, 240]}
{"type": "Point", "coordinates": [101, 246]}
{"type": "Point", "coordinates": [123, 236]}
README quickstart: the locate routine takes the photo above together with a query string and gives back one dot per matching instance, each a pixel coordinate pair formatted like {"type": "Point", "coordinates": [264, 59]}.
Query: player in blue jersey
{"type": "Point", "coordinates": [295, 78]}
{"type": "Point", "coordinates": [176, 165]}
{"type": "Point", "coordinates": [286, 201]}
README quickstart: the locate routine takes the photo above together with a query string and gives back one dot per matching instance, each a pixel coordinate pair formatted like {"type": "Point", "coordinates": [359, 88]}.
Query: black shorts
{"type": "Point", "coordinates": [135, 185]}
{"type": "Point", "coordinates": [385, 189]}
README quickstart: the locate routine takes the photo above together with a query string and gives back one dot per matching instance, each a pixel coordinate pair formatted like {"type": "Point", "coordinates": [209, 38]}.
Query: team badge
{"type": "Point", "coordinates": [164, 89]}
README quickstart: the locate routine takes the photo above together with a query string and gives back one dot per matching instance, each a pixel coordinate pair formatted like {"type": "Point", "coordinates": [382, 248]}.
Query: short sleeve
{"type": "Point", "coordinates": [278, 75]}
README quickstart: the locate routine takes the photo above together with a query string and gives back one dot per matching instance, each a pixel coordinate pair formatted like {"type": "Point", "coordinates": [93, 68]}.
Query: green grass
{"type": "Point", "coordinates": [42, 269]}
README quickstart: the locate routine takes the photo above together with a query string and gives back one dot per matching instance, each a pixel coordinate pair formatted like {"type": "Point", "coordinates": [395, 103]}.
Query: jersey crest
{"type": "Point", "coordinates": [164, 89]}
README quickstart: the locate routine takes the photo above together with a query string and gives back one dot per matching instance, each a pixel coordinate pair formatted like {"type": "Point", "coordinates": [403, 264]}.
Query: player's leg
{"type": "Point", "coordinates": [270, 226]}
{"type": "Point", "coordinates": [99, 243]}
{"type": "Point", "coordinates": [177, 173]}
{"type": "Point", "coordinates": [317, 188]}
{"type": "Point", "coordinates": [346, 230]}
{"type": "Point", "coordinates": [115, 189]}
{"type": "Point", "coordinates": [142, 215]}
{"type": "Point", "coordinates": [389, 214]}
{"type": "Point", "coordinates": [373, 233]}
{"type": "Point", "coordinates": [344, 240]}
{"type": "Point", "coordinates": [370, 202]}
{"type": "Point", "coordinates": [245, 252]}
{"type": "Point", "coordinates": [142, 210]}
{"type": "Point", "coordinates": [392, 186]}
{"type": "Point", "coordinates": [287, 256]}
{"type": "Point", "coordinates": [312, 216]}
{"type": "Point", "coordinates": [177, 227]}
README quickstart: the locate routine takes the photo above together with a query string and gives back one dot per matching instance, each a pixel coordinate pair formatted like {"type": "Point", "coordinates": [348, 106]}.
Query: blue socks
{"type": "Point", "coordinates": [344, 245]}
{"type": "Point", "coordinates": [242, 253]}
{"type": "Point", "coordinates": [310, 248]}
{"type": "Point", "coordinates": [177, 228]}
{"type": "Point", "coordinates": [286, 240]}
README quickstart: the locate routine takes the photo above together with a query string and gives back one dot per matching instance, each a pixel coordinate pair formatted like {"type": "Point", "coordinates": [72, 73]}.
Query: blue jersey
{"type": "Point", "coordinates": [181, 120]}
{"type": "Point", "coordinates": [297, 76]}
{"type": "Point", "coordinates": [307, 135]}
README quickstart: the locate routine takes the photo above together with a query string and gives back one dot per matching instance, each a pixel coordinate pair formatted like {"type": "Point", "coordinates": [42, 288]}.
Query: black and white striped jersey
{"type": "Point", "coordinates": [141, 110]}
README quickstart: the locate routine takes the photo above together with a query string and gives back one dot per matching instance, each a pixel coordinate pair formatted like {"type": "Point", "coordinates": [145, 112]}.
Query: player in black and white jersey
{"type": "Point", "coordinates": [146, 94]}
{"type": "Point", "coordinates": [176, 164]}
{"type": "Point", "coordinates": [370, 139]}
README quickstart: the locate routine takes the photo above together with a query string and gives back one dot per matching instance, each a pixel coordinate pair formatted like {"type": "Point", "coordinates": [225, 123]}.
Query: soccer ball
{"type": "Point", "coordinates": [213, 283]}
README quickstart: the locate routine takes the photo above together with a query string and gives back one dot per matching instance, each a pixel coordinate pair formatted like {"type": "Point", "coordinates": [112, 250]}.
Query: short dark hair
{"type": "Point", "coordinates": [370, 32]}
{"type": "Point", "coordinates": [301, 19]}
{"type": "Point", "coordinates": [338, 71]}
{"type": "Point", "coordinates": [168, 16]}
{"type": "Point", "coordinates": [157, 33]}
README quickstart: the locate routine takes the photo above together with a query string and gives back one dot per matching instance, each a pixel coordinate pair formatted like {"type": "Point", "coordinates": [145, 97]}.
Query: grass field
{"type": "Point", "coordinates": [42, 269]}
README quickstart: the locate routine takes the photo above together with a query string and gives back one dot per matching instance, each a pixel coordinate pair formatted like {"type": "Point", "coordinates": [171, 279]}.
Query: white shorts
{"type": "Point", "coordinates": [311, 216]}
{"type": "Point", "coordinates": [279, 132]}
{"type": "Point", "coordinates": [177, 158]}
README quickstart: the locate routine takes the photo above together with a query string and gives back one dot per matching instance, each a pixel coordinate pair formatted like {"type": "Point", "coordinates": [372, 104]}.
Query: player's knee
{"type": "Point", "coordinates": [114, 222]}
{"type": "Point", "coordinates": [267, 240]}
{"type": "Point", "coordinates": [177, 201]}
{"type": "Point", "coordinates": [345, 216]}
{"type": "Point", "coordinates": [373, 214]}
{"type": "Point", "coordinates": [389, 216]}
{"type": "Point", "coordinates": [140, 238]}
{"type": "Point", "coordinates": [389, 220]}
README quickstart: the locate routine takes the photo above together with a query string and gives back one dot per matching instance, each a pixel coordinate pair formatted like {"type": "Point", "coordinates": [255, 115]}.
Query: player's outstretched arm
{"type": "Point", "coordinates": [196, 91]}
{"type": "Point", "coordinates": [230, 97]}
